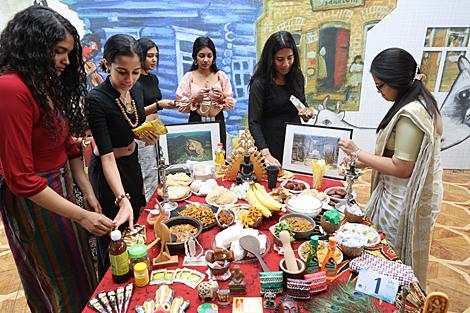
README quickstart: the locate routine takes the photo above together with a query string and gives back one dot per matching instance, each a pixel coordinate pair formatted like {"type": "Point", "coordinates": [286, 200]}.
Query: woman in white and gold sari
{"type": "Point", "coordinates": [406, 182]}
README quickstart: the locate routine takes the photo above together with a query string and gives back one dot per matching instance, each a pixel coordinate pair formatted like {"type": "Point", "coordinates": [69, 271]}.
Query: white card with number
{"type": "Point", "coordinates": [377, 285]}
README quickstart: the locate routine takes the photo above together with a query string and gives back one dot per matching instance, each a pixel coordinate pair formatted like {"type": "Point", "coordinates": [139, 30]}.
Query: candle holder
{"type": "Point", "coordinates": [351, 175]}
{"type": "Point", "coordinates": [166, 204]}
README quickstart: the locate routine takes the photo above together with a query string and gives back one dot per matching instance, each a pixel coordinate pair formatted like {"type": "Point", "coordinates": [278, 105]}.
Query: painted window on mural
{"type": "Point", "coordinates": [241, 69]}
{"type": "Point", "coordinates": [442, 48]}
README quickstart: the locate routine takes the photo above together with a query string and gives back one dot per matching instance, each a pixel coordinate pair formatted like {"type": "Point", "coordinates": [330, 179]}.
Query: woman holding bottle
{"type": "Point", "coordinates": [207, 87]}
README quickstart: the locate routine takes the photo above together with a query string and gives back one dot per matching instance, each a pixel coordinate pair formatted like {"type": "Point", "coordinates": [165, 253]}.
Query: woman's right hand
{"type": "Point", "coordinates": [199, 96]}
{"type": "Point", "coordinates": [96, 223]}
{"type": "Point", "coordinates": [167, 104]}
{"type": "Point", "coordinates": [270, 160]}
{"type": "Point", "coordinates": [125, 214]}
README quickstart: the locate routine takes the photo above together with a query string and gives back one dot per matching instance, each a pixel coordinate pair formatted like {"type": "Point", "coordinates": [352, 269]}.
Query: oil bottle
{"type": "Point", "coordinates": [219, 159]}
{"type": "Point", "coordinates": [329, 263]}
{"type": "Point", "coordinates": [311, 266]}
{"type": "Point", "coordinates": [119, 258]}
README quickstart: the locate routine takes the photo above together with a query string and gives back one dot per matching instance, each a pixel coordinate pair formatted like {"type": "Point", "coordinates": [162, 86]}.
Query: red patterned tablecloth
{"type": "Point", "coordinates": [250, 270]}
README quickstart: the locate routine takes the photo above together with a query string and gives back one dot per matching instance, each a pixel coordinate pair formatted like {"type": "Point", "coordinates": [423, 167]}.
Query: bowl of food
{"type": "Point", "coordinates": [351, 252]}
{"type": "Point", "coordinates": [330, 221]}
{"type": "Point", "coordinates": [338, 194]}
{"type": "Point", "coordinates": [276, 230]}
{"type": "Point", "coordinates": [353, 214]}
{"type": "Point", "coordinates": [304, 204]}
{"type": "Point", "coordinates": [180, 227]}
{"type": "Point", "coordinates": [154, 214]}
{"type": "Point", "coordinates": [302, 225]}
{"type": "Point", "coordinates": [225, 218]}
{"type": "Point", "coordinates": [295, 185]}
{"type": "Point", "coordinates": [221, 197]}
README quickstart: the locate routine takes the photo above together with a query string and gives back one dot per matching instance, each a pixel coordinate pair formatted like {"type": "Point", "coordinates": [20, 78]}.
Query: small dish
{"type": "Point", "coordinates": [328, 227]}
{"type": "Point", "coordinates": [326, 244]}
{"type": "Point", "coordinates": [224, 226]}
{"type": "Point", "coordinates": [362, 229]}
{"type": "Point", "coordinates": [353, 218]}
{"type": "Point", "coordinates": [354, 195]}
{"type": "Point", "coordinates": [257, 223]}
{"type": "Point", "coordinates": [299, 235]}
{"type": "Point", "coordinates": [153, 216]}
{"type": "Point", "coordinates": [285, 182]}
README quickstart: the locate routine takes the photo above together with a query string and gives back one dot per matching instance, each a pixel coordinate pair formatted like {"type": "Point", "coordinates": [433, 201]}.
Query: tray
{"type": "Point", "coordinates": [246, 259]}
{"type": "Point", "coordinates": [175, 212]}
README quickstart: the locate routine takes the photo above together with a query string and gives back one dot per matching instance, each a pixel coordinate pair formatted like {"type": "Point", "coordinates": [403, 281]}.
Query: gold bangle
{"type": "Point", "coordinates": [118, 199]}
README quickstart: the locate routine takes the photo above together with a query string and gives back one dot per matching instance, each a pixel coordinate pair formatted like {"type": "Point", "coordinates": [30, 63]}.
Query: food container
{"type": "Point", "coordinates": [141, 274]}
{"type": "Point", "coordinates": [257, 223]}
{"type": "Point", "coordinates": [179, 220]}
{"type": "Point", "coordinates": [299, 235]}
{"type": "Point", "coordinates": [138, 253]}
{"type": "Point", "coordinates": [353, 218]}
{"type": "Point", "coordinates": [285, 184]}
{"type": "Point", "coordinates": [153, 216]}
{"type": "Point", "coordinates": [328, 227]}
{"type": "Point", "coordinates": [224, 226]}
{"type": "Point", "coordinates": [286, 274]}
{"type": "Point", "coordinates": [220, 271]}
{"type": "Point", "coordinates": [312, 212]}
{"type": "Point", "coordinates": [351, 252]}
{"type": "Point", "coordinates": [343, 199]}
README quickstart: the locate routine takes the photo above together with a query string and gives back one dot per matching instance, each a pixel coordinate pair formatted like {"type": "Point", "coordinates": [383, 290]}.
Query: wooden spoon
{"type": "Point", "coordinates": [251, 244]}
{"type": "Point", "coordinates": [291, 262]}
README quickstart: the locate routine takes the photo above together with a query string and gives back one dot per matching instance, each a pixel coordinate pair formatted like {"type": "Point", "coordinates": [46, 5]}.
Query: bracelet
{"type": "Point", "coordinates": [118, 199]}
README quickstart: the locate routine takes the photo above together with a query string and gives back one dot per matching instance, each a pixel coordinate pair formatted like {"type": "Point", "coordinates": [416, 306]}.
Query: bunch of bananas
{"type": "Point", "coordinates": [259, 198]}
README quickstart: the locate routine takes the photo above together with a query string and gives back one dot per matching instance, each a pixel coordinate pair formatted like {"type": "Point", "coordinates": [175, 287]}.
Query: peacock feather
{"type": "Point", "coordinates": [342, 297]}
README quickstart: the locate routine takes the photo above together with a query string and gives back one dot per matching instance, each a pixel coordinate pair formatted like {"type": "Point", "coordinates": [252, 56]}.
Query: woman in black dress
{"type": "Point", "coordinates": [277, 76]}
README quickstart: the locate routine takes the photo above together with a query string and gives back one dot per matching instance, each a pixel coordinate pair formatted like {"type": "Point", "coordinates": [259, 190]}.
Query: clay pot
{"type": "Point", "coordinates": [328, 227]}
{"type": "Point", "coordinates": [351, 252]}
{"type": "Point", "coordinates": [353, 218]}
{"type": "Point", "coordinates": [297, 275]}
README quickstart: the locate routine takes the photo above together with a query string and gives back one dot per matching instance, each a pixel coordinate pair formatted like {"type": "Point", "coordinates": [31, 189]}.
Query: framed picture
{"type": "Point", "coordinates": [305, 143]}
{"type": "Point", "coordinates": [190, 141]}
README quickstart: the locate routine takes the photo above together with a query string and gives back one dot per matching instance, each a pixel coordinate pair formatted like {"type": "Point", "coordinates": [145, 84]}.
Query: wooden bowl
{"type": "Point", "coordinates": [220, 271]}
{"type": "Point", "coordinates": [175, 247]}
{"type": "Point", "coordinates": [328, 227]}
{"type": "Point", "coordinates": [353, 218]}
{"type": "Point", "coordinates": [351, 252]}
{"type": "Point", "coordinates": [223, 226]}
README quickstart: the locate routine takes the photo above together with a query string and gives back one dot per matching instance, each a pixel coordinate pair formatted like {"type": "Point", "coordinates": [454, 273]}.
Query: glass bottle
{"type": "Point", "coordinates": [219, 159]}
{"type": "Point", "coordinates": [119, 258]}
{"type": "Point", "coordinates": [329, 263]}
{"type": "Point", "coordinates": [311, 266]}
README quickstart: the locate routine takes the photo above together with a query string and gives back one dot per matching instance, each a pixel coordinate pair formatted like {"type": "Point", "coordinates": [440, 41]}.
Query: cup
{"type": "Point", "coordinates": [224, 297]}
{"type": "Point", "coordinates": [273, 172]}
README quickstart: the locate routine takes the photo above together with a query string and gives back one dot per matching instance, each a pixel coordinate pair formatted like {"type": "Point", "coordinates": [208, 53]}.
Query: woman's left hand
{"type": "Point", "coordinates": [217, 93]}
{"type": "Point", "coordinates": [306, 117]}
{"type": "Point", "coordinates": [347, 145]}
{"type": "Point", "coordinates": [90, 203]}
{"type": "Point", "coordinates": [150, 138]}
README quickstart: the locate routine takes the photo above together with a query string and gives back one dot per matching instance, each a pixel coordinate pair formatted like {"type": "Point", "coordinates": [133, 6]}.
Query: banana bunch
{"type": "Point", "coordinates": [259, 198]}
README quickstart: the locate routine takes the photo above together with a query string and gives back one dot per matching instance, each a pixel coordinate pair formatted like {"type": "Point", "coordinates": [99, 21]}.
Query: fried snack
{"type": "Point", "coordinates": [321, 251]}
{"type": "Point", "coordinates": [201, 213]}
{"type": "Point", "coordinates": [298, 223]}
{"type": "Point", "coordinates": [250, 217]}
{"type": "Point", "coordinates": [280, 194]}
{"type": "Point", "coordinates": [181, 231]}
{"type": "Point", "coordinates": [176, 192]}
{"type": "Point", "coordinates": [178, 179]}
{"type": "Point", "coordinates": [285, 175]}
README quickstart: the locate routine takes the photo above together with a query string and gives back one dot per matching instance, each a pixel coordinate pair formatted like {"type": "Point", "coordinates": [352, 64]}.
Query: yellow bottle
{"type": "Point", "coordinates": [219, 159]}
{"type": "Point", "coordinates": [329, 263]}
{"type": "Point", "coordinates": [141, 274]}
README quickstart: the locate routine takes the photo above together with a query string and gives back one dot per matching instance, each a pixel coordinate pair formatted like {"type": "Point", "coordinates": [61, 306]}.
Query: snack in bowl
{"type": "Point", "coordinates": [182, 231]}
{"type": "Point", "coordinates": [298, 223]}
{"type": "Point", "coordinates": [220, 196]}
{"type": "Point", "coordinates": [330, 221]}
{"type": "Point", "coordinates": [305, 204]}
{"type": "Point", "coordinates": [280, 194]}
{"type": "Point", "coordinates": [294, 185]}
{"type": "Point", "coordinates": [285, 175]}
{"type": "Point", "coordinates": [176, 192]}
{"type": "Point", "coordinates": [178, 179]}
{"type": "Point", "coordinates": [201, 213]}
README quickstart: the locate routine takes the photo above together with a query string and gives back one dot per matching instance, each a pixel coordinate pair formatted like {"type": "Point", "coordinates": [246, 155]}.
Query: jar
{"type": "Point", "coordinates": [141, 274]}
{"type": "Point", "coordinates": [139, 253]}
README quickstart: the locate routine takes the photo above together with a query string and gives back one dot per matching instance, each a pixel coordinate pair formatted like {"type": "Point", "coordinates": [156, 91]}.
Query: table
{"type": "Point", "coordinates": [250, 270]}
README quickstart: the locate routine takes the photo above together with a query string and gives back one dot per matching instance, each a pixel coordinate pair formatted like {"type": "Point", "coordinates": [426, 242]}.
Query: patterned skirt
{"type": "Point", "coordinates": [51, 252]}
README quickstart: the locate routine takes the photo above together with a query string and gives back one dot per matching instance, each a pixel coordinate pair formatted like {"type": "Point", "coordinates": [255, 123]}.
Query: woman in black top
{"type": "Point", "coordinates": [149, 155]}
{"type": "Point", "coordinates": [116, 106]}
{"type": "Point", "coordinates": [277, 76]}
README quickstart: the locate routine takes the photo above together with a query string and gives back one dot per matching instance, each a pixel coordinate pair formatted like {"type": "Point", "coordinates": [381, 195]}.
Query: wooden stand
{"type": "Point", "coordinates": [164, 259]}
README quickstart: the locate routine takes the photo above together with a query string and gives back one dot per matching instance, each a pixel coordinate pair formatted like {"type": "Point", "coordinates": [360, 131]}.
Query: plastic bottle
{"type": "Point", "coordinates": [329, 263]}
{"type": "Point", "coordinates": [141, 274]}
{"type": "Point", "coordinates": [311, 266]}
{"type": "Point", "coordinates": [219, 159]}
{"type": "Point", "coordinates": [119, 258]}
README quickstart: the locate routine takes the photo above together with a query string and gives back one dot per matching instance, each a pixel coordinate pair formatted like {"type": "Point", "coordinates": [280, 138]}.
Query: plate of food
{"type": "Point", "coordinates": [203, 212]}
{"type": "Point", "coordinates": [338, 194]}
{"type": "Point", "coordinates": [304, 250]}
{"type": "Point", "coordinates": [177, 193]}
{"type": "Point", "coordinates": [369, 233]}
{"type": "Point", "coordinates": [295, 185]}
{"type": "Point", "coordinates": [283, 175]}
{"type": "Point", "coordinates": [201, 188]}
{"type": "Point", "coordinates": [178, 179]}
{"type": "Point", "coordinates": [317, 194]}
{"type": "Point", "coordinates": [280, 194]}
{"type": "Point", "coordinates": [221, 197]}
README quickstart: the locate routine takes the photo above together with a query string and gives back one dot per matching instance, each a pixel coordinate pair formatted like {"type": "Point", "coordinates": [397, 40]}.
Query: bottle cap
{"type": "Point", "coordinates": [220, 144]}
{"type": "Point", "coordinates": [140, 267]}
{"type": "Point", "coordinates": [138, 251]}
{"type": "Point", "coordinates": [314, 240]}
{"type": "Point", "coordinates": [332, 241]}
{"type": "Point", "coordinates": [115, 235]}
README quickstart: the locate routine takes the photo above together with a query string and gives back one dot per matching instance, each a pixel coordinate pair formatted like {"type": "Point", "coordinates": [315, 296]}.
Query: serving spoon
{"type": "Point", "coordinates": [251, 244]}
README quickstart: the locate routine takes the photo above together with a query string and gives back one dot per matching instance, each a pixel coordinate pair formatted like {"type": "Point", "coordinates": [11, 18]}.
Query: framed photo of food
{"type": "Point", "coordinates": [305, 143]}
{"type": "Point", "coordinates": [190, 141]}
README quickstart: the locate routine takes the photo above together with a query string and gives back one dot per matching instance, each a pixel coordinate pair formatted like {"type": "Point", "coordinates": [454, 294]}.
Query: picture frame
{"type": "Point", "coordinates": [305, 142]}
{"type": "Point", "coordinates": [190, 141]}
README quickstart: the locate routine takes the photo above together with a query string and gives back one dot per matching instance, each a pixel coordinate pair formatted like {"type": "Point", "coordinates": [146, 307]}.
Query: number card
{"type": "Point", "coordinates": [377, 285]}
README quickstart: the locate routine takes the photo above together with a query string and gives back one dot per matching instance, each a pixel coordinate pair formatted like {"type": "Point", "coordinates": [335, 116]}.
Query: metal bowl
{"type": "Point", "coordinates": [179, 220]}
{"type": "Point", "coordinates": [299, 235]}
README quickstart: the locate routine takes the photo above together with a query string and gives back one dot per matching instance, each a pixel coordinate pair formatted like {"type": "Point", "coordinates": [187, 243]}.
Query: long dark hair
{"type": "Point", "coordinates": [120, 45]}
{"type": "Point", "coordinates": [27, 46]}
{"type": "Point", "coordinates": [200, 43]}
{"type": "Point", "coordinates": [265, 67]}
{"type": "Point", "coordinates": [147, 44]}
{"type": "Point", "coordinates": [397, 67]}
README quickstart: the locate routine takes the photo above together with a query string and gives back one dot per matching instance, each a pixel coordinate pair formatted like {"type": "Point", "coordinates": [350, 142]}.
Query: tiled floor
{"type": "Point", "coordinates": [449, 267]}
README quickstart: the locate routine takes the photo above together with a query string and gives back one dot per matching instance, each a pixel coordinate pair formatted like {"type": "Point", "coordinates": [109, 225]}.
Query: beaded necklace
{"type": "Point", "coordinates": [133, 110]}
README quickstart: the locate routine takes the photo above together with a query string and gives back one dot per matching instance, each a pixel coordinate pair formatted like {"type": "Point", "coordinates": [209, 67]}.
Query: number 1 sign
{"type": "Point", "coordinates": [377, 285]}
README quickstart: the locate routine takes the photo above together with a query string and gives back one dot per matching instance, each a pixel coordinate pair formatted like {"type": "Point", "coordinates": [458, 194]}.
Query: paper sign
{"type": "Point", "coordinates": [377, 285]}
{"type": "Point", "coordinates": [247, 305]}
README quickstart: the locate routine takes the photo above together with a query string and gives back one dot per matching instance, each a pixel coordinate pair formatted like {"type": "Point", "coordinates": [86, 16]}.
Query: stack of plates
{"type": "Point", "coordinates": [311, 209]}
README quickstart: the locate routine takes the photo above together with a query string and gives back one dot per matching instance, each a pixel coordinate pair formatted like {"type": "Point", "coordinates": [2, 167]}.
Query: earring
{"type": "Point", "coordinates": [107, 70]}
{"type": "Point", "coordinates": [195, 62]}
{"type": "Point", "coordinates": [213, 62]}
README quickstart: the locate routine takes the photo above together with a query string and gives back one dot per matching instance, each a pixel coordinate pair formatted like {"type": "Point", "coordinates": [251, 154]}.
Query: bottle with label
{"type": "Point", "coordinates": [141, 274]}
{"type": "Point", "coordinates": [119, 258]}
{"type": "Point", "coordinates": [311, 266]}
{"type": "Point", "coordinates": [329, 263]}
{"type": "Point", "coordinates": [219, 159]}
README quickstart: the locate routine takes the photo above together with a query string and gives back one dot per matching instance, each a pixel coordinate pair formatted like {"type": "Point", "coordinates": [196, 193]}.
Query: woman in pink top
{"type": "Point", "coordinates": [203, 82]}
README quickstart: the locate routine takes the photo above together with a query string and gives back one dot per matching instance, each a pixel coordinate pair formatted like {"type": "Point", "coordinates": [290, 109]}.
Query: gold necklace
{"type": "Point", "coordinates": [204, 78]}
{"type": "Point", "coordinates": [129, 107]}
{"type": "Point", "coordinates": [134, 110]}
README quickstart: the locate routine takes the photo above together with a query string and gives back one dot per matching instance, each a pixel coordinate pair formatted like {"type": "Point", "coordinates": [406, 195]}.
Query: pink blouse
{"type": "Point", "coordinates": [187, 88]}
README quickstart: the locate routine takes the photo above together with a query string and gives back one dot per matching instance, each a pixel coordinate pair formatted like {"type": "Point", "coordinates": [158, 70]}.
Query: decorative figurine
{"type": "Point", "coordinates": [246, 172]}
{"type": "Point", "coordinates": [207, 289]}
{"type": "Point", "coordinates": [287, 305]}
{"type": "Point", "coordinates": [194, 252]}
{"type": "Point", "coordinates": [269, 300]}
{"type": "Point", "coordinates": [237, 286]}
{"type": "Point", "coordinates": [164, 259]}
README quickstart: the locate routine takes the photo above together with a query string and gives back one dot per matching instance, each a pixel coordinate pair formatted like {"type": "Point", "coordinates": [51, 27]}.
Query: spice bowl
{"type": "Point", "coordinates": [300, 235]}
{"type": "Point", "coordinates": [328, 227]}
{"type": "Point", "coordinates": [222, 225]}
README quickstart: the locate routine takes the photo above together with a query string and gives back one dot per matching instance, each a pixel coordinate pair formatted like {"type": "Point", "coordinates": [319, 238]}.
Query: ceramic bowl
{"type": "Point", "coordinates": [299, 235]}
{"type": "Point", "coordinates": [328, 227]}
{"type": "Point", "coordinates": [223, 226]}
{"type": "Point", "coordinates": [353, 194]}
{"type": "Point", "coordinates": [310, 212]}
{"type": "Point", "coordinates": [179, 246]}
